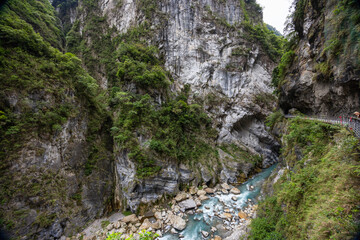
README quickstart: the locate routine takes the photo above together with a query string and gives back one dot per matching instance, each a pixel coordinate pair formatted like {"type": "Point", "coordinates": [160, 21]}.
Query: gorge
{"type": "Point", "coordinates": [120, 105]}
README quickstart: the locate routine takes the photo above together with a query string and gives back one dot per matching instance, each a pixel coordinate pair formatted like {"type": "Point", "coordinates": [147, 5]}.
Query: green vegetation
{"type": "Point", "coordinates": [271, 43]}
{"type": "Point", "coordinates": [274, 30]}
{"type": "Point", "coordinates": [174, 130]}
{"type": "Point", "coordinates": [241, 154]}
{"type": "Point", "coordinates": [273, 118]}
{"type": "Point", "coordinates": [279, 73]}
{"type": "Point", "coordinates": [104, 224]}
{"type": "Point", "coordinates": [143, 235]}
{"type": "Point", "coordinates": [319, 197]}
{"type": "Point", "coordinates": [139, 64]}
{"type": "Point", "coordinates": [343, 33]}
{"type": "Point", "coordinates": [41, 90]}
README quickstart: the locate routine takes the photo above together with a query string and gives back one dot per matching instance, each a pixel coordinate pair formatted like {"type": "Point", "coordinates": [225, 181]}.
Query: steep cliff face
{"type": "Point", "coordinates": [53, 130]}
{"type": "Point", "coordinates": [323, 76]}
{"type": "Point", "coordinates": [207, 45]}
{"type": "Point", "coordinates": [181, 92]}
{"type": "Point", "coordinates": [216, 48]}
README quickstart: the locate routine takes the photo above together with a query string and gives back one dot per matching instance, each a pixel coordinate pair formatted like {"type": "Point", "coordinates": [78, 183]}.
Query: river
{"type": "Point", "coordinates": [217, 204]}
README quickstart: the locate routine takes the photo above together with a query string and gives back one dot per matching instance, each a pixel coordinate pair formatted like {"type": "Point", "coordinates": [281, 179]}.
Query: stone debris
{"type": "Point", "coordinates": [162, 220]}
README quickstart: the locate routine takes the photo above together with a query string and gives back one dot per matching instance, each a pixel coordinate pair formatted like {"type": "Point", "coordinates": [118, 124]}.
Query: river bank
{"type": "Point", "coordinates": [222, 212]}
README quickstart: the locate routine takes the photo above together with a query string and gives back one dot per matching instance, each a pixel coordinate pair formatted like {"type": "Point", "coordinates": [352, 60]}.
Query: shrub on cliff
{"type": "Point", "coordinates": [318, 198]}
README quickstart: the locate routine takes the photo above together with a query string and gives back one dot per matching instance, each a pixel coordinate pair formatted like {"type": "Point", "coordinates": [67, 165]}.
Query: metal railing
{"type": "Point", "coordinates": [351, 123]}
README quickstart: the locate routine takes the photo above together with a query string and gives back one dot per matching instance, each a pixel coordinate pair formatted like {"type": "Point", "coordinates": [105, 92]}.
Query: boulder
{"type": "Point", "coordinates": [201, 192]}
{"type": "Point", "coordinates": [187, 204]}
{"type": "Point", "coordinates": [117, 225]}
{"type": "Point", "coordinates": [226, 216]}
{"type": "Point", "coordinates": [198, 202]}
{"type": "Point", "coordinates": [203, 198]}
{"type": "Point", "coordinates": [157, 225]}
{"type": "Point", "coordinates": [209, 190]}
{"type": "Point", "coordinates": [193, 190]}
{"type": "Point", "coordinates": [158, 215]}
{"type": "Point", "coordinates": [216, 237]}
{"type": "Point", "coordinates": [235, 191]}
{"type": "Point", "coordinates": [224, 191]}
{"type": "Point", "coordinates": [110, 227]}
{"type": "Point", "coordinates": [177, 222]}
{"type": "Point", "coordinates": [225, 186]}
{"type": "Point", "coordinates": [130, 219]}
{"type": "Point", "coordinates": [205, 234]}
{"type": "Point", "coordinates": [243, 215]}
{"type": "Point", "coordinates": [234, 198]}
{"type": "Point", "coordinates": [181, 196]}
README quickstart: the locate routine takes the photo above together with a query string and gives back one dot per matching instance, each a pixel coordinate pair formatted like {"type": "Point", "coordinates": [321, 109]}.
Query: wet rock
{"type": "Point", "coordinates": [224, 191]}
{"type": "Point", "coordinates": [205, 234]}
{"type": "Point", "coordinates": [251, 188]}
{"type": "Point", "coordinates": [234, 198]}
{"type": "Point", "coordinates": [207, 207]}
{"type": "Point", "coordinates": [213, 229]}
{"type": "Point", "coordinates": [235, 191]}
{"type": "Point", "coordinates": [188, 204]}
{"type": "Point", "coordinates": [173, 231]}
{"type": "Point", "coordinates": [225, 216]}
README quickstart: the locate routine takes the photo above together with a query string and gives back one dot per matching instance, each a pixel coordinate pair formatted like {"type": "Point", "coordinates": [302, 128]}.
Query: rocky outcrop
{"type": "Point", "coordinates": [324, 77]}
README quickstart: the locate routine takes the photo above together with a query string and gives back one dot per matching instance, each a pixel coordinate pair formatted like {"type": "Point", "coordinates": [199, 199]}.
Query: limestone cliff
{"type": "Point", "coordinates": [213, 47]}
{"type": "Point", "coordinates": [75, 147]}
{"type": "Point", "coordinates": [323, 77]}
